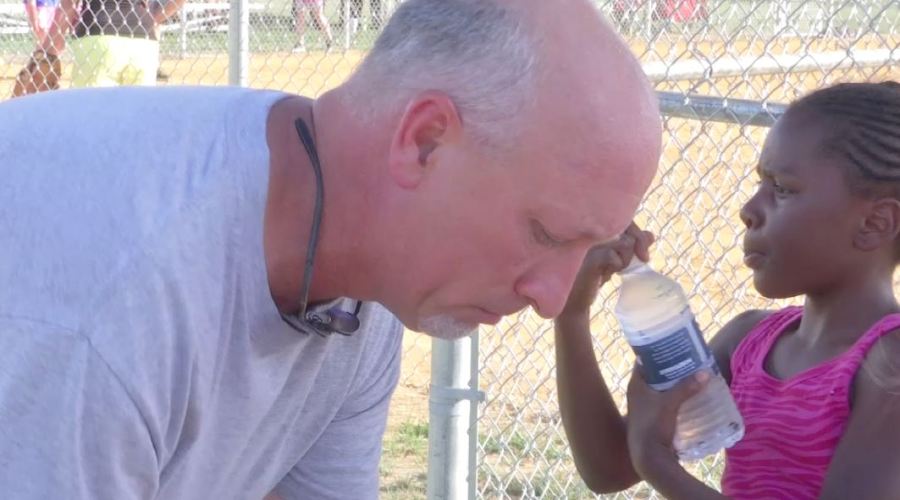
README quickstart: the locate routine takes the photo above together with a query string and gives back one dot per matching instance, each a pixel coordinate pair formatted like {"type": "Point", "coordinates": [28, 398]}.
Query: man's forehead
{"type": "Point", "coordinates": [610, 217]}
{"type": "Point", "coordinates": [601, 144]}
{"type": "Point", "coordinates": [597, 212]}
{"type": "Point", "coordinates": [592, 180]}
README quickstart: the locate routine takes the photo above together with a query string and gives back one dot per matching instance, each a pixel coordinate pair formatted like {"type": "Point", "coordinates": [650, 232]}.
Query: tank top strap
{"type": "Point", "coordinates": [759, 340]}
{"type": "Point", "coordinates": [858, 351]}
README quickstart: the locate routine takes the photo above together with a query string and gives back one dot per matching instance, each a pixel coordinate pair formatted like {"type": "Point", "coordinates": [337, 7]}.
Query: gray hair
{"type": "Point", "coordinates": [477, 51]}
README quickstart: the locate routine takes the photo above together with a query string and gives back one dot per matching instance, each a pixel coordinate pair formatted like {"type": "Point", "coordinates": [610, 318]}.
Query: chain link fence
{"type": "Point", "coordinates": [747, 55]}
{"type": "Point", "coordinates": [744, 56]}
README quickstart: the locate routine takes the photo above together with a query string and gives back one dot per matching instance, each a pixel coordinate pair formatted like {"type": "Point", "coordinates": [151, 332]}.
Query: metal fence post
{"type": "Point", "coordinates": [473, 418]}
{"type": "Point", "coordinates": [238, 42]}
{"type": "Point", "coordinates": [451, 427]}
{"type": "Point", "coordinates": [182, 32]}
{"type": "Point", "coordinates": [348, 32]}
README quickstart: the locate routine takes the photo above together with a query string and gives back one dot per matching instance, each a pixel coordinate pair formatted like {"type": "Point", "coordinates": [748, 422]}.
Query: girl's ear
{"type": "Point", "coordinates": [881, 225]}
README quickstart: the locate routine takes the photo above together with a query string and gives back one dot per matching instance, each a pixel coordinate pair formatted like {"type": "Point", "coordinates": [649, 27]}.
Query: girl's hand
{"type": "Point", "coordinates": [602, 262]}
{"type": "Point", "coordinates": [652, 416]}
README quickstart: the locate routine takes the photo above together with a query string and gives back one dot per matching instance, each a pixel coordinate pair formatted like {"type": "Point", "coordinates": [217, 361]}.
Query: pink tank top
{"type": "Point", "coordinates": [792, 426]}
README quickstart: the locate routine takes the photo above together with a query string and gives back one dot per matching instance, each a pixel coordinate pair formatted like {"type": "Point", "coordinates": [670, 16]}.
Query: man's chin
{"type": "Point", "coordinates": [446, 327]}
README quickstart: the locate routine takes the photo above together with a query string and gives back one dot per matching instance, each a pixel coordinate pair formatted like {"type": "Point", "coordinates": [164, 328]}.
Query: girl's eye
{"type": "Point", "coordinates": [778, 188]}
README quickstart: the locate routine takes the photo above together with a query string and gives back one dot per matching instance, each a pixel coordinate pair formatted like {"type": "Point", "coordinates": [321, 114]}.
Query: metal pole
{"type": "Point", "coordinates": [347, 30]}
{"type": "Point", "coordinates": [473, 418]}
{"type": "Point", "coordinates": [783, 9]}
{"type": "Point", "coordinates": [450, 403]}
{"type": "Point", "coordinates": [185, 15]}
{"type": "Point", "coordinates": [648, 26]}
{"type": "Point", "coordinates": [238, 42]}
{"type": "Point", "coordinates": [717, 109]}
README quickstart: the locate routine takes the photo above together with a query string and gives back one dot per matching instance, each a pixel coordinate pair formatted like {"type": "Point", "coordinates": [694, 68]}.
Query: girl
{"type": "Point", "coordinates": [818, 385]}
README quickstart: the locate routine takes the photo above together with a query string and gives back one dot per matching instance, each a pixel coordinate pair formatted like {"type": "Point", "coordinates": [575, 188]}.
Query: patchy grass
{"type": "Point", "coordinates": [404, 462]}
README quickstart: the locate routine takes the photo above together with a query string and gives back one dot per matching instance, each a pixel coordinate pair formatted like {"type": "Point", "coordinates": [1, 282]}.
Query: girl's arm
{"type": "Point", "coordinates": [598, 434]}
{"type": "Point", "coordinates": [595, 429]}
{"type": "Point", "coordinates": [866, 463]}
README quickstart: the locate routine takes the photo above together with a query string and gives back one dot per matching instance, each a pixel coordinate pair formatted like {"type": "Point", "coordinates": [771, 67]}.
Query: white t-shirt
{"type": "Point", "coordinates": [141, 354]}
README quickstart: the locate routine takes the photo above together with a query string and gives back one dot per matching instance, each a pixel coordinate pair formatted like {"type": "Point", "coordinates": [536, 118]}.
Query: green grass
{"type": "Point", "coordinates": [406, 448]}
{"type": "Point", "coordinates": [763, 19]}
{"type": "Point", "coordinates": [746, 18]}
{"type": "Point", "coordinates": [521, 465]}
{"type": "Point", "coordinates": [410, 439]}
{"type": "Point", "coordinates": [520, 444]}
{"type": "Point", "coordinates": [16, 44]}
{"type": "Point", "coordinates": [408, 488]}
{"type": "Point", "coordinates": [540, 485]}
{"type": "Point", "coordinates": [403, 464]}
{"type": "Point", "coordinates": [494, 445]}
{"type": "Point", "coordinates": [806, 17]}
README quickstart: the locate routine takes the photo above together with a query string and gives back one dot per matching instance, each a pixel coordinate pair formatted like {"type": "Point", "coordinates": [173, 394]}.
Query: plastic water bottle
{"type": "Point", "coordinates": [660, 327]}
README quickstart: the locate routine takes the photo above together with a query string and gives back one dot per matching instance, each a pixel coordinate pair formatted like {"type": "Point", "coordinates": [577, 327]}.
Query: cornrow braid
{"type": "Point", "coordinates": [864, 130]}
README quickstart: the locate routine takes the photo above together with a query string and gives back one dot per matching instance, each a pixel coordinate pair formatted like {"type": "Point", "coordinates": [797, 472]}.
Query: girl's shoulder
{"type": "Point", "coordinates": [724, 343]}
{"type": "Point", "coordinates": [880, 369]}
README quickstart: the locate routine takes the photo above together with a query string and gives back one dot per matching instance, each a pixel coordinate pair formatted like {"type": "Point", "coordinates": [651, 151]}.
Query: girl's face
{"type": "Point", "coordinates": [802, 219]}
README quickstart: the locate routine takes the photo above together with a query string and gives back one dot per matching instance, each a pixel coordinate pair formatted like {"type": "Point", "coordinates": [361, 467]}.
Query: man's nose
{"type": "Point", "coordinates": [546, 286]}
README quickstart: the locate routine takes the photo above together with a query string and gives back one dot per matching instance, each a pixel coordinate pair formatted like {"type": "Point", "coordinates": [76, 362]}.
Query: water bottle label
{"type": "Point", "coordinates": [673, 357]}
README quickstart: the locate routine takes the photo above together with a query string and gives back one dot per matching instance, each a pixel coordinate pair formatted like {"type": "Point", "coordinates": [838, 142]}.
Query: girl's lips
{"type": "Point", "coordinates": [754, 260]}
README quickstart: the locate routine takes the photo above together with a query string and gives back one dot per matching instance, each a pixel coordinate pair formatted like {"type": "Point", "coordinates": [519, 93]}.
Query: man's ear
{"type": "Point", "coordinates": [881, 225]}
{"type": "Point", "coordinates": [429, 120]}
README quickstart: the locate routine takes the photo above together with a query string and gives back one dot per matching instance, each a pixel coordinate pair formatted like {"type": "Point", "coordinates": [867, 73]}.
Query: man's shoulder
{"type": "Point", "coordinates": [373, 374]}
{"type": "Point", "coordinates": [380, 336]}
{"type": "Point", "coordinates": [382, 329]}
{"type": "Point", "coordinates": [138, 102]}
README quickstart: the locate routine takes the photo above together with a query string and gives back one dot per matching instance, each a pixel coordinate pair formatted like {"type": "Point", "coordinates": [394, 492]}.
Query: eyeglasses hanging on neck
{"type": "Point", "coordinates": [335, 319]}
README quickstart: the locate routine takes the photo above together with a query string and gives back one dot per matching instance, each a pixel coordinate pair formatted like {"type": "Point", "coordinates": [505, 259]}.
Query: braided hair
{"type": "Point", "coordinates": [862, 131]}
{"type": "Point", "coordinates": [862, 123]}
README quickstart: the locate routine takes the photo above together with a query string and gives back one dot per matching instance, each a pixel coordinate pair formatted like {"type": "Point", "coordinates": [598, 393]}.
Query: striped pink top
{"type": "Point", "coordinates": [792, 426]}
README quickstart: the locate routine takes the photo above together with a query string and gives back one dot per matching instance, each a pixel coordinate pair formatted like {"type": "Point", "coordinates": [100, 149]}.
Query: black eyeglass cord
{"type": "Point", "coordinates": [310, 146]}
{"type": "Point", "coordinates": [326, 323]}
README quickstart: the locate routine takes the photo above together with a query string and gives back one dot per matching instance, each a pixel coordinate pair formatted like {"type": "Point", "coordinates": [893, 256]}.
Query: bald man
{"type": "Point", "coordinates": [213, 309]}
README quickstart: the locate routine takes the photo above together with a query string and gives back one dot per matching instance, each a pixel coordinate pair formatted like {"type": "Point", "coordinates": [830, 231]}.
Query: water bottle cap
{"type": "Point", "coordinates": [633, 266]}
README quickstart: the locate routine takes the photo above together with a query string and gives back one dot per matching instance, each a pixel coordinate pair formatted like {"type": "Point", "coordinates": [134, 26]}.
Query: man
{"type": "Point", "coordinates": [178, 315]}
